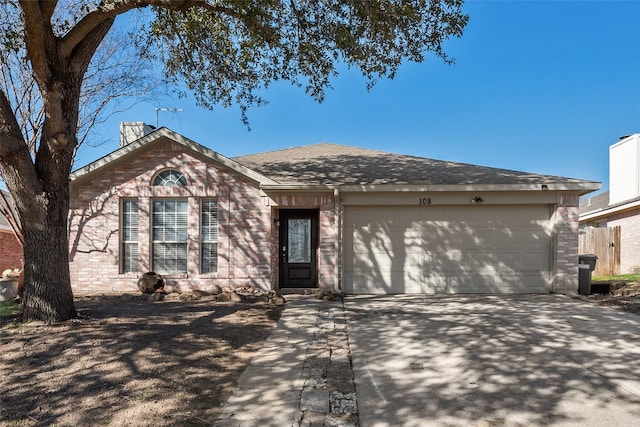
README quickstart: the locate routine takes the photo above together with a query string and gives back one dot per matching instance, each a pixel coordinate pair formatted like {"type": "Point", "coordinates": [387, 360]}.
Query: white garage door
{"type": "Point", "coordinates": [440, 249]}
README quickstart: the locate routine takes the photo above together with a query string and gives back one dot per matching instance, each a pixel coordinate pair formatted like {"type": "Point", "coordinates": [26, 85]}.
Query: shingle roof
{"type": "Point", "coordinates": [164, 134]}
{"type": "Point", "coordinates": [333, 164]}
{"type": "Point", "coordinates": [594, 203]}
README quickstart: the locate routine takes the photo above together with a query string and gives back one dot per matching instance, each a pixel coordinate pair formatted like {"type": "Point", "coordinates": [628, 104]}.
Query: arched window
{"type": "Point", "coordinates": [169, 178]}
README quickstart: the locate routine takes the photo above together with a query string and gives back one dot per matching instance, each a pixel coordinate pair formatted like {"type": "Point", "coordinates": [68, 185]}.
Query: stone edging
{"type": "Point", "coordinates": [328, 397]}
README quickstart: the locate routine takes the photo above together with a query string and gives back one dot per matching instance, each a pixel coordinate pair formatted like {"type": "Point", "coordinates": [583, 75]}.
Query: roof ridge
{"type": "Point", "coordinates": [290, 148]}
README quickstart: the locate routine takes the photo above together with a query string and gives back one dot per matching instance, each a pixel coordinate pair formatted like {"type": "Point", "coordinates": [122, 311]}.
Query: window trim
{"type": "Point", "coordinates": [167, 183]}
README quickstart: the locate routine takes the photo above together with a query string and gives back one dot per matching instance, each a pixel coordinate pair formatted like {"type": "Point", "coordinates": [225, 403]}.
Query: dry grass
{"type": "Point", "coordinates": [129, 362]}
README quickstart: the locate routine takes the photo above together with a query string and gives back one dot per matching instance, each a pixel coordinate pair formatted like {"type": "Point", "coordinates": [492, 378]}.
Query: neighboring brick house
{"type": "Point", "coordinates": [10, 248]}
{"type": "Point", "coordinates": [620, 206]}
{"type": "Point", "coordinates": [322, 216]}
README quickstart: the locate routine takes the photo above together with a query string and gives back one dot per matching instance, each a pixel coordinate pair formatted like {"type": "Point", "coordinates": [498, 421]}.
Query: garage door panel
{"type": "Point", "coordinates": [445, 250]}
{"type": "Point", "coordinates": [365, 240]}
{"type": "Point", "coordinates": [397, 283]}
{"type": "Point", "coordinates": [454, 260]}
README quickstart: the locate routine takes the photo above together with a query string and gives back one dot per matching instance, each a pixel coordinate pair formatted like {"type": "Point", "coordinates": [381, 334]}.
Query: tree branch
{"type": "Point", "coordinates": [7, 211]}
{"type": "Point", "coordinates": [11, 139]}
{"type": "Point", "coordinates": [86, 48]}
{"type": "Point", "coordinates": [16, 166]}
{"type": "Point", "coordinates": [47, 7]}
{"type": "Point", "coordinates": [87, 25]}
{"type": "Point", "coordinates": [38, 39]}
{"type": "Point", "coordinates": [105, 11]}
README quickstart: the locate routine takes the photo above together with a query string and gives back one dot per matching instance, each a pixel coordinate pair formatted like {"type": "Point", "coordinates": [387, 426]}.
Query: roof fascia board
{"type": "Point", "coordinates": [606, 212]}
{"type": "Point", "coordinates": [583, 187]}
{"type": "Point", "coordinates": [186, 142]}
{"type": "Point", "coordinates": [297, 187]}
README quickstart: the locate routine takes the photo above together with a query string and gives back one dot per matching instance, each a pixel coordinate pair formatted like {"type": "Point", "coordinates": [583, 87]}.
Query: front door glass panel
{"type": "Point", "coordinates": [299, 236]}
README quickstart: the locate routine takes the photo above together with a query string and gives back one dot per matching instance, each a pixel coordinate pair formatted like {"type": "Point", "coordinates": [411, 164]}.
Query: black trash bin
{"type": "Point", "coordinates": [586, 265]}
{"type": "Point", "coordinates": [589, 259]}
{"type": "Point", "coordinates": [584, 279]}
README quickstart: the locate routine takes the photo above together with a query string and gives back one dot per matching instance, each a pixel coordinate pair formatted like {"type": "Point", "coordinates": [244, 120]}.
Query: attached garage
{"type": "Point", "coordinates": [448, 249]}
{"type": "Point", "coordinates": [393, 223]}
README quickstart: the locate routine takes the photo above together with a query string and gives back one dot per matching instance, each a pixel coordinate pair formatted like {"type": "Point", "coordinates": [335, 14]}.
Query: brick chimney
{"type": "Point", "coordinates": [132, 131]}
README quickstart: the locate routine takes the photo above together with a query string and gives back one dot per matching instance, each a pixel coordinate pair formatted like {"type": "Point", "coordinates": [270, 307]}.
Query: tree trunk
{"type": "Point", "coordinates": [47, 294]}
{"type": "Point", "coordinates": [40, 191]}
{"type": "Point", "coordinates": [39, 182]}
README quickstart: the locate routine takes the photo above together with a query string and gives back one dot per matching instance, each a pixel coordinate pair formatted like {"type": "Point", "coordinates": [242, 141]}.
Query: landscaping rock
{"type": "Point", "coordinates": [151, 282]}
{"type": "Point", "coordinates": [8, 289]}
{"type": "Point", "coordinates": [223, 297]}
{"type": "Point", "coordinates": [312, 419]}
{"type": "Point", "coordinates": [328, 296]}
{"type": "Point", "coordinates": [250, 291]}
{"type": "Point", "coordinates": [276, 299]}
{"type": "Point", "coordinates": [343, 403]}
{"type": "Point", "coordinates": [154, 297]}
{"type": "Point", "coordinates": [333, 420]}
{"type": "Point", "coordinates": [199, 294]}
{"type": "Point", "coordinates": [234, 297]}
{"type": "Point", "coordinates": [314, 400]}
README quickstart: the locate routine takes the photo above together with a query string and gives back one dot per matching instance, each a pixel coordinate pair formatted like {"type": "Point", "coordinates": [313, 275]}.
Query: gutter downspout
{"type": "Point", "coordinates": [336, 210]}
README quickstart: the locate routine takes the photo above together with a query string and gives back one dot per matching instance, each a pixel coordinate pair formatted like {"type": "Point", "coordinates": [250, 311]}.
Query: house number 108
{"type": "Point", "coordinates": [425, 200]}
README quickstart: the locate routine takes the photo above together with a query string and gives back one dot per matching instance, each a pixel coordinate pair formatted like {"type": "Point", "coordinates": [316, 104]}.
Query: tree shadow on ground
{"type": "Point", "coordinates": [130, 363]}
{"type": "Point", "coordinates": [510, 360]}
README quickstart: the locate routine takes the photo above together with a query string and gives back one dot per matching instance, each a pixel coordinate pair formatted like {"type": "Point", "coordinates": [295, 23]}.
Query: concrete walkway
{"type": "Point", "coordinates": [302, 376]}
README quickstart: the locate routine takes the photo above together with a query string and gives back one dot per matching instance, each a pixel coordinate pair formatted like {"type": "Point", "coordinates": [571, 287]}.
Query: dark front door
{"type": "Point", "coordinates": [298, 247]}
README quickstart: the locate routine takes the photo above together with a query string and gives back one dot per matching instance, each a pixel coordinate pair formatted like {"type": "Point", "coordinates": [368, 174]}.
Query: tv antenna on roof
{"type": "Point", "coordinates": [165, 109]}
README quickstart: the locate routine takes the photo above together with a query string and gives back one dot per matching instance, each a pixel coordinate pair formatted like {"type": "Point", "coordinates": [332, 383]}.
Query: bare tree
{"type": "Point", "coordinates": [116, 79]}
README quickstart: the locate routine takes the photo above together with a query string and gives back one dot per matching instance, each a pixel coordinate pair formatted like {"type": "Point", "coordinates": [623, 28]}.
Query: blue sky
{"type": "Point", "coordinates": [538, 86]}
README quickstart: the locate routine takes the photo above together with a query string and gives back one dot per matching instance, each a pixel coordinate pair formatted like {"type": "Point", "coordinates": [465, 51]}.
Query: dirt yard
{"type": "Point", "coordinates": [129, 361]}
{"type": "Point", "coordinates": [625, 296]}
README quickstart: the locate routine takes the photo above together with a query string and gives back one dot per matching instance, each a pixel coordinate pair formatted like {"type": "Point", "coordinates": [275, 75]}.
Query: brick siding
{"type": "Point", "coordinates": [10, 251]}
{"type": "Point", "coordinates": [247, 242]}
{"type": "Point", "coordinates": [629, 223]}
{"type": "Point", "coordinates": [244, 224]}
{"type": "Point", "coordinates": [565, 221]}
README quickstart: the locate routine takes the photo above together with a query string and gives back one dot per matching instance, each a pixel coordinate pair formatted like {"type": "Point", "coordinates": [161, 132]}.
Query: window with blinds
{"type": "Point", "coordinates": [209, 236]}
{"type": "Point", "coordinates": [169, 236]}
{"type": "Point", "coordinates": [129, 236]}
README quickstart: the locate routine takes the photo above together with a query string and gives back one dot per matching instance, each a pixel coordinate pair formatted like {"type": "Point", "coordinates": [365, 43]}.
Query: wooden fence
{"type": "Point", "coordinates": [605, 244]}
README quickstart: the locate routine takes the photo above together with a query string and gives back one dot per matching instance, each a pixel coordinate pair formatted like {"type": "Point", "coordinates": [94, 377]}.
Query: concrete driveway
{"type": "Point", "coordinates": [527, 360]}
